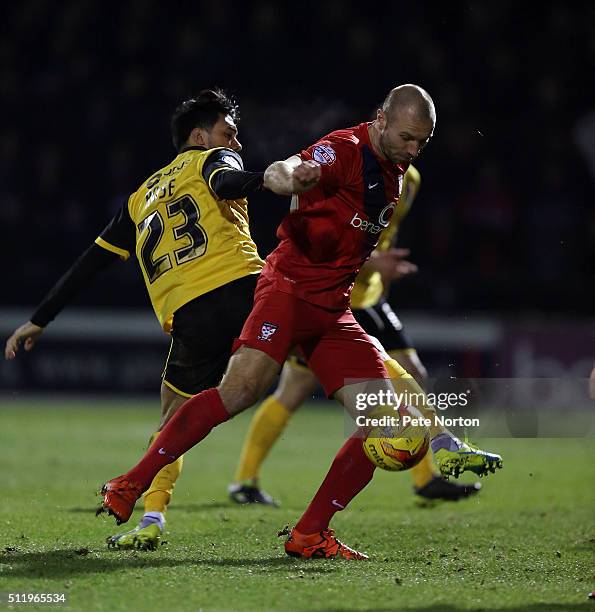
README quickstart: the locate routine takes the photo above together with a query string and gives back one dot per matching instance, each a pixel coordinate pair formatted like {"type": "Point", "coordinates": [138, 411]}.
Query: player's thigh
{"type": "Point", "coordinates": [273, 323]}
{"type": "Point", "coordinates": [170, 403]}
{"type": "Point", "coordinates": [203, 334]}
{"type": "Point", "coordinates": [346, 356]}
{"type": "Point", "coordinates": [267, 337]}
{"type": "Point", "coordinates": [296, 385]}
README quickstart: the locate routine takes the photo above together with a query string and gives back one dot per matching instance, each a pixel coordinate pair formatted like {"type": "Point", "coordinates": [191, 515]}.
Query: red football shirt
{"type": "Point", "coordinates": [332, 229]}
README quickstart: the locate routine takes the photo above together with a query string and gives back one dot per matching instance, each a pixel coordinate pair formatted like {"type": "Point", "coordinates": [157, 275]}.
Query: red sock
{"type": "Point", "coordinates": [192, 422]}
{"type": "Point", "coordinates": [350, 472]}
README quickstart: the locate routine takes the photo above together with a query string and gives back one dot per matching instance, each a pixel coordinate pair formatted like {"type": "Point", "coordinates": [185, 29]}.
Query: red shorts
{"type": "Point", "coordinates": [332, 342]}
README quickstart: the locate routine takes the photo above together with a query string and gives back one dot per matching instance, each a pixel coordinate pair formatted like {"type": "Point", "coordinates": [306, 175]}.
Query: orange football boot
{"type": "Point", "coordinates": [320, 545]}
{"type": "Point", "coordinates": [119, 497]}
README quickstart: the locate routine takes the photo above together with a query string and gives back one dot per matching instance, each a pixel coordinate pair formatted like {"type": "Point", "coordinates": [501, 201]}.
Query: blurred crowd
{"type": "Point", "coordinates": [505, 219]}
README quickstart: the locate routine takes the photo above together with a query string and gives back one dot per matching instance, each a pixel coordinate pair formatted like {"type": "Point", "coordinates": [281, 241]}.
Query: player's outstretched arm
{"type": "Point", "coordinates": [224, 173]}
{"type": "Point", "coordinates": [292, 176]}
{"type": "Point", "coordinates": [94, 259]}
{"type": "Point", "coordinates": [28, 333]}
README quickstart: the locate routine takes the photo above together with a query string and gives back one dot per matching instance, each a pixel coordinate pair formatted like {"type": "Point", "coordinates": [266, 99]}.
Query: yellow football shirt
{"type": "Point", "coordinates": [187, 241]}
{"type": "Point", "coordinates": [368, 288]}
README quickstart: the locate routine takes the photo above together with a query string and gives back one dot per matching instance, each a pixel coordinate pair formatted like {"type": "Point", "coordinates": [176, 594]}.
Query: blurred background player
{"type": "Point", "coordinates": [348, 183]}
{"type": "Point", "coordinates": [373, 312]}
{"type": "Point", "coordinates": [188, 226]}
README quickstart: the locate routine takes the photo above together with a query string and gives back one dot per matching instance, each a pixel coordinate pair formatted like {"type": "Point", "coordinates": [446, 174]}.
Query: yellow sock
{"type": "Point", "coordinates": [158, 495]}
{"type": "Point", "coordinates": [267, 424]}
{"type": "Point", "coordinates": [424, 471]}
{"type": "Point", "coordinates": [395, 369]}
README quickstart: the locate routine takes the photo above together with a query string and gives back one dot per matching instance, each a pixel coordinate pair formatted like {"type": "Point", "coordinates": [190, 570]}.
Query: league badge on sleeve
{"type": "Point", "coordinates": [232, 161]}
{"type": "Point", "coordinates": [324, 154]}
{"type": "Point", "coordinates": [266, 331]}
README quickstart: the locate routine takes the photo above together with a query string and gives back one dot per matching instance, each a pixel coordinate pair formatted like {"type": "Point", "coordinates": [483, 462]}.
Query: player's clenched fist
{"type": "Point", "coordinates": [29, 332]}
{"type": "Point", "coordinates": [305, 176]}
{"type": "Point", "coordinates": [291, 176]}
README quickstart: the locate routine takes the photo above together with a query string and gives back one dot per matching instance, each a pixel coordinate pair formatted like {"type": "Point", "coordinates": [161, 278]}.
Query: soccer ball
{"type": "Point", "coordinates": [401, 452]}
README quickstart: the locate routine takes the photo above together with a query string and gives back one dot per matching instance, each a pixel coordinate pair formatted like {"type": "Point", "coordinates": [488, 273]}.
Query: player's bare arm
{"type": "Point", "coordinates": [291, 176]}
{"type": "Point", "coordinates": [79, 276]}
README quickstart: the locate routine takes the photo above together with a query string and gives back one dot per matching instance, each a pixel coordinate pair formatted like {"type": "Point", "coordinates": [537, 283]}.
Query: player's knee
{"type": "Point", "coordinates": [289, 400]}
{"type": "Point", "coordinates": [169, 407]}
{"type": "Point", "coordinates": [240, 394]}
{"type": "Point", "coordinates": [294, 395]}
{"type": "Point", "coordinates": [248, 393]}
{"type": "Point", "coordinates": [297, 384]}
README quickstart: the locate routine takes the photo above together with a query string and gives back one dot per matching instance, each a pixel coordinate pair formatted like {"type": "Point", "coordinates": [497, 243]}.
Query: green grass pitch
{"type": "Point", "coordinates": [525, 543]}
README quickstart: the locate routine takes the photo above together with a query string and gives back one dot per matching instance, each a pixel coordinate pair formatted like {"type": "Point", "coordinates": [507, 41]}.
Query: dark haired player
{"type": "Point", "coordinates": [348, 184]}
{"type": "Point", "coordinates": [187, 224]}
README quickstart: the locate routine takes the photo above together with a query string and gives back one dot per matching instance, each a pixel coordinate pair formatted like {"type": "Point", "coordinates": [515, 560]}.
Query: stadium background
{"type": "Point", "coordinates": [503, 229]}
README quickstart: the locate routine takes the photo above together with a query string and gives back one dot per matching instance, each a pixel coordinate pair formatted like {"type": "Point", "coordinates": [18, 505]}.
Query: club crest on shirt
{"type": "Point", "coordinates": [266, 331]}
{"type": "Point", "coordinates": [324, 154]}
